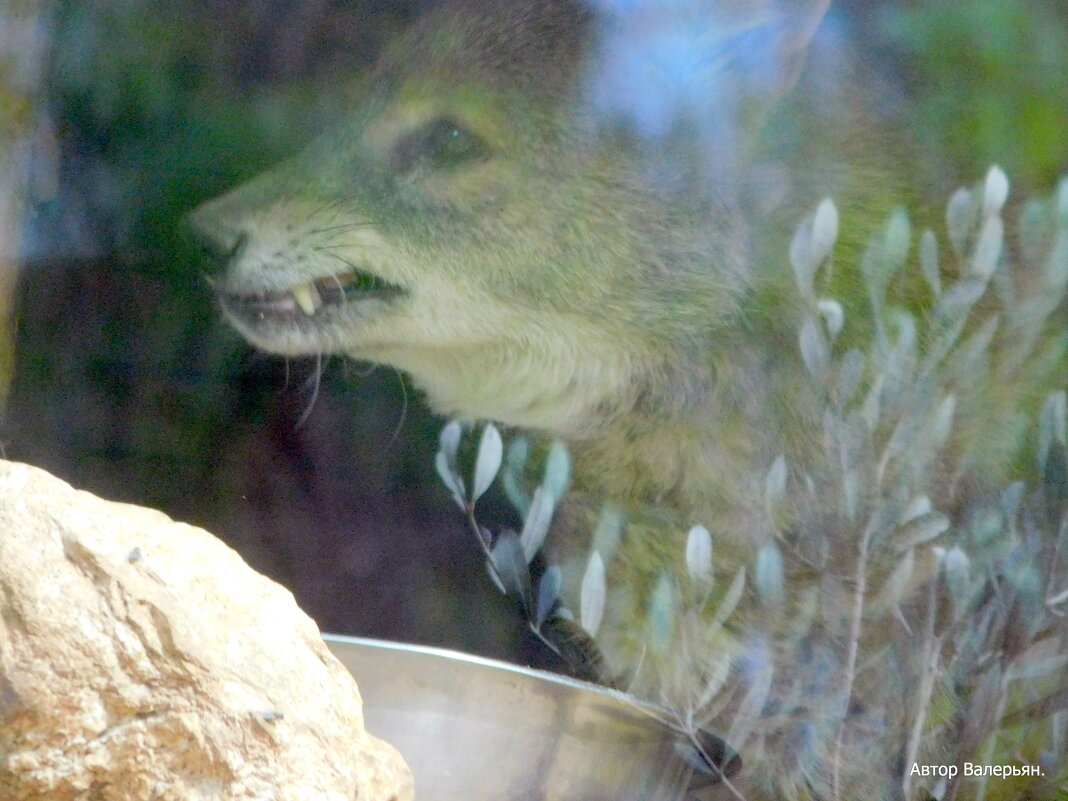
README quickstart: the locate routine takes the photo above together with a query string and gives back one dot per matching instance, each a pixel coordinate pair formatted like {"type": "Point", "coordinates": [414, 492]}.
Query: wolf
{"type": "Point", "coordinates": [547, 226]}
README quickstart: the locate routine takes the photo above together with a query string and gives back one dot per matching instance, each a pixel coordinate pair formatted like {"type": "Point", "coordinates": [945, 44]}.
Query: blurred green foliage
{"type": "Point", "coordinates": [986, 82]}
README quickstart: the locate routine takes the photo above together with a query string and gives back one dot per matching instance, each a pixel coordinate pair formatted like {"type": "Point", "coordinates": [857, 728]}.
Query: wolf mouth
{"type": "Point", "coordinates": [309, 299]}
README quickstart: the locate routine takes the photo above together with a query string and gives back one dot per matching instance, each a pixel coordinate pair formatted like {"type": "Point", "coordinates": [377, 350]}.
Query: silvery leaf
{"type": "Point", "coordinates": [449, 440]}
{"type": "Point", "coordinates": [900, 363]}
{"type": "Point", "coordinates": [451, 480]}
{"type": "Point", "coordinates": [850, 493]}
{"type": "Point", "coordinates": [942, 424]}
{"type": "Point", "coordinates": [903, 442]}
{"type": "Point", "coordinates": [1011, 499]}
{"type": "Point", "coordinates": [729, 601]}
{"type": "Point", "coordinates": [517, 455]}
{"type": "Point", "coordinates": [957, 567]}
{"type": "Point", "coordinates": [1055, 477]}
{"type": "Point", "coordinates": [495, 577]}
{"type": "Point", "coordinates": [663, 613]}
{"type": "Point", "coordinates": [970, 359]}
{"type": "Point", "coordinates": [988, 249]}
{"type": "Point", "coordinates": [920, 529]}
{"type": "Point", "coordinates": [801, 258]}
{"type": "Point", "coordinates": [929, 261]}
{"type": "Point", "coordinates": [824, 231]}
{"type": "Point", "coordinates": [536, 524]}
{"type": "Point", "coordinates": [850, 372]}
{"type": "Point", "coordinates": [873, 266]}
{"type": "Point", "coordinates": [897, 238]}
{"type": "Point", "coordinates": [987, 526]}
{"type": "Point", "coordinates": [871, 409]}
{"type": "Point", "coordinates": [517, 493]}
{"type": "Point", "coordinates": [951, 314]}
{"type": "Point", "coordinates": [1033, 228]}
{"type": "Point", "coordinates": [548, 592]}
{"type": "Point", "coordinates": [918, 506]}
{"type": "Point", "coordinates": [833, 316]}
{"type": "Point", "coordinates": [959, 299]}
{"type": "Point", "coordinates": [715, 678]}
{"type": "Point", "coordinates": [507, 556]}
{"type": "Point", "coordinates": [805, 611]}
{"type": "Point", "coordinates": [1029, 589]}
{"type": "Point", "coordinates": [995, 191]}
{"type": "Point", "coordinates": [959, 219]}
{"type": "Point", "coordinates": [699, 555]}
{"type": "Point", "coordinates": [1051, 425]}
{"type": "Point", "coordinates": [490, 453]}
{"type": "Point", "coordinates": [608, 531]}
{"type": "Point", "coordinates": [814, 349]}
{"type": "Point", "coordinates": [557, 470]}
{"type": "Point", "coordinates": [775, 484]}
{"type": "Point", "coordinates": [1037, 669]}
{"type": "Point", "coordinates": [885, 515]}
{"type": "Point", "coordinates": [769, 575]}
{"type": "Point", "coordinates": [1062, 202]}
{"type": "Point", "coordinates": [751, 706]}
{"type": "Point", "coordinates": [515, 461]}
{"type": "Point", "coordinates": [897, 583]}
{"type": "Point", "coordinates": [1056, 276]}
{"type": "Point", "coordinates": [1040, 659]}
{"type": "Point", "coordinates": [592, 595]}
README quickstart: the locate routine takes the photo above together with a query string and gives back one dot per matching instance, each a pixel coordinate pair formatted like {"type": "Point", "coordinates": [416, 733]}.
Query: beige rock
{"type": "Point", "coordinates": [143, 660]}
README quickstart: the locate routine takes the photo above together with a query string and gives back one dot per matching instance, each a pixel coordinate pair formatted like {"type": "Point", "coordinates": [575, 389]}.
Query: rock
{"type": "Point", "coordinates": [143, 659]}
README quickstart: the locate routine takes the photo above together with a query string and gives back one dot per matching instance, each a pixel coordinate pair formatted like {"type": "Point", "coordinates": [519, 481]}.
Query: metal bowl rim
{"type": "Point", "coordinates": [655, 713]}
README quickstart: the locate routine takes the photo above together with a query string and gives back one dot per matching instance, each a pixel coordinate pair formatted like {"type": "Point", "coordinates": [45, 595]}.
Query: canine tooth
{"type": "Point", "coordinates": [307, 297]}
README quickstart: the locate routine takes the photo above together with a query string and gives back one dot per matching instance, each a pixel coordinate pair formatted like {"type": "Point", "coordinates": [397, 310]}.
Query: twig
{"type": "Point", "coordinates": [932, 647]}
{"type": "Point", "coordinates": [854, 646]}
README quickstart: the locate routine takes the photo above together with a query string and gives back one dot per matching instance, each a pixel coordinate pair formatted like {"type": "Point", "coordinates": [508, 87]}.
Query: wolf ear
{"type": "Point", "coordinates": [796, 23]}
{"type": "Point", "coordinates": [706, 73]}
{"type": "Point", "coordinates": [765, 42]}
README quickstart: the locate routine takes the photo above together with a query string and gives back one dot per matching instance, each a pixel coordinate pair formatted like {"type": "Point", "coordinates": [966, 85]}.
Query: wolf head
{"type": "Point", "coordinates": [498, 219]}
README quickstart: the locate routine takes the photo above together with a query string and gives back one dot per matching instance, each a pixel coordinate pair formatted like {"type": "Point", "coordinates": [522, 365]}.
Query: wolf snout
{"type": "Point", "coordinates": [221, 241]}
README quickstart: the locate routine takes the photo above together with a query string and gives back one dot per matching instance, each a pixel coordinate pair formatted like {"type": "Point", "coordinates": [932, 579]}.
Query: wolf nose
{"type": "Point", "coordinates": [221, 242]}
{"type": "Point", "coordinates": [237, 249]}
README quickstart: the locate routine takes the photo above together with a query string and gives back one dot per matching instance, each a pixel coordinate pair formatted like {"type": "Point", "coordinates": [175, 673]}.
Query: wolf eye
{"type": "Point", "coordinates": [448, 143]}
{"type": "Point", "coordinates": [442, 143]}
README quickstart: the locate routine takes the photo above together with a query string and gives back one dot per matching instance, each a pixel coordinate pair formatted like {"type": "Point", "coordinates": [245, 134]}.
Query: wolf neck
{"type": "Point", "coordinates": [647, 423]}
{"type": "Point", "coordinates": [705, 457]}
{"type": "Point", "coordinates": [578, 386]}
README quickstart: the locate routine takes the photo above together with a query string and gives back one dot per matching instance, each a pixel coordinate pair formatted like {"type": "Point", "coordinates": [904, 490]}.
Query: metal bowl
{"type": "Point", "coordinates": [480, 730]}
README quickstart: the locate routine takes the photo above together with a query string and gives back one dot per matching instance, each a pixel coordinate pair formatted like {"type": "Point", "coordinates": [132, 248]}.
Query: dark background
{"type": "Point", "coordinates": [128, 383]}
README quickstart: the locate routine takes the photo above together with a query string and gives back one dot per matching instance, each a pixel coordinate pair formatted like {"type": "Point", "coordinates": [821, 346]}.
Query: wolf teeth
{"type": "Point", "coordinates": [308, 298]}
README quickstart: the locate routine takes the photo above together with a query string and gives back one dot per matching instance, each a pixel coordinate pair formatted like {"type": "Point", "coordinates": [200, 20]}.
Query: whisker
{"type": "Point", "coordinates": [404, 409]}
{"type": "Point", "coordinates": [340, 227]}
{"type": "Point", "coordinates": [344, 261]}
{"type": "Point", "coordinates": [340, 247]}
{"type": "Point", "coordinates": [320, 210]}
{"type": "Point", "coordinates": [336, 205]}
{"type": "Point", "coordinates": [318, 377]}
{"type": "Point", "coordinates": [341, 290]}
